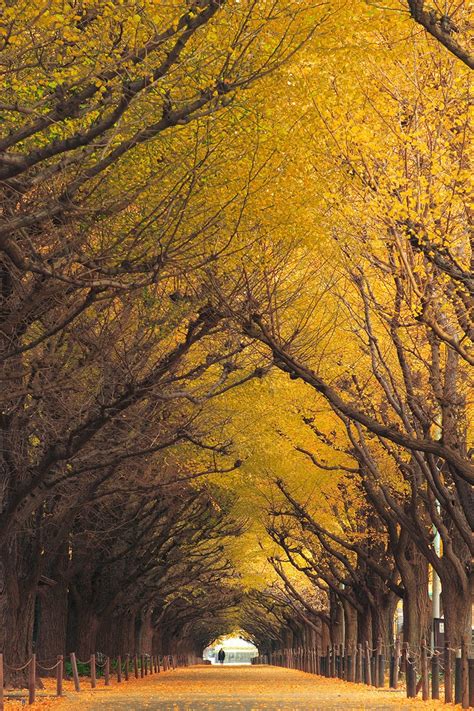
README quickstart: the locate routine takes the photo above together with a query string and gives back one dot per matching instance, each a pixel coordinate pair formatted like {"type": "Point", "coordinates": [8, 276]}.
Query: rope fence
{"type": "Point", "coordinates": [423, 668]}
{"type": "Point", "coordinates": [139, 666]}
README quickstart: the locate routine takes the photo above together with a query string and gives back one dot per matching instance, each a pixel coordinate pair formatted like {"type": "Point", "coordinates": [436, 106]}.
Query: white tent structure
{"type": "Point", "coordinates": [237, 650]}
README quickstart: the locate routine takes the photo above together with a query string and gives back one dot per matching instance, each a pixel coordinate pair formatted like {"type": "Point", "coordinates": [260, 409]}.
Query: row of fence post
{"type": "Point", "coordinates": [369, 666]}
{"type": "Point", "coordinates": [139, 666]}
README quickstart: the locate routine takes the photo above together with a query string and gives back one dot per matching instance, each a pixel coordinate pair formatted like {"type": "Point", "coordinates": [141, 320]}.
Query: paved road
{"type": "Point", "coordinates": [233, 688]}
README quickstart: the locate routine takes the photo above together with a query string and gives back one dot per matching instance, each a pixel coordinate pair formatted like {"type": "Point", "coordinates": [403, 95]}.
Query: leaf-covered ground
{"type": "Point", "coordinates": [227, 688]}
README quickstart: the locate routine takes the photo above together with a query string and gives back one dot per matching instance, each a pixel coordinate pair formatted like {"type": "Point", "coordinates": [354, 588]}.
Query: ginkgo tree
{"type": "Point", "coordinates": [398, 376]}
{"type": "Point", "coordinates": [200, 199]}
{"type": "Point", "coordinates": [121, 127]}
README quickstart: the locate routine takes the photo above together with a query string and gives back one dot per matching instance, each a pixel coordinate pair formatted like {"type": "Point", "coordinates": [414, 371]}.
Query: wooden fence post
{"type": "Point", "coordinates": [448, 677]}
{"type": "Point", "coordinates": [471, 682]}
{"type": "Point", "coordinates": [435, 676]}
{"type": "Point", "coordinates": [93, 672]}
{"type": "Point", "coordinates": [368, 664]}
{"type": "Point", "coordinates": [32, 680]}
{"type": "Point", "coordinates": [425, 691]}
{"type": "Point", "coordinates": [349, 658]}
{"type": "Point", "coordinates": [59, 675]}
{"type": "Point", "coordinates": [457, 676]}
{"type": "Point", "coordinates": [107, 672]}
{"type": "Point", "coordinates": [360, 662]}
{"type": "Point", "coordinates": [75, 673]}
{"type": "Point", "coordinates": [119, 669]}
{"type": "Point", "coordinates": [373, 664]}
{"type": "Point", "coordinates": [376, 666]}
{"type": "Point", "coordinates": [464, 673]}
{"type": "Point", "coordinates": [410, 674]}
{"type": "Point", "coordinates": [396, 663]}
{"type": "Point", "coordinates": [353, 657]}
{"type": "Point", "coordinates": [380, 663]}
{"type": "Point", "coordinates": [2, 706]}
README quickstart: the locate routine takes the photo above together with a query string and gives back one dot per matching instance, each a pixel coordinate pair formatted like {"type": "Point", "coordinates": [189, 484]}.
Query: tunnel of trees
{"type": "Point", "coordinates": [236, 325]}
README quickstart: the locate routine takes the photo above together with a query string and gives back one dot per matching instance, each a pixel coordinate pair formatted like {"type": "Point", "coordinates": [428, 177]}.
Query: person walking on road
{"type": "Point", "coordinates": [221, 656]}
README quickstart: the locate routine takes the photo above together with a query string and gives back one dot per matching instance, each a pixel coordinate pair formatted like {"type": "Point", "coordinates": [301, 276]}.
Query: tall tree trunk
{"type": "Point", "coordinates": [53, 603]}
{"type": "Point", "coordinates": [413, 569]}
{"type": "Point", "coordinates": [19, 552]}
{"type": "Point", "coordinates": [364, 622]}
{"type": "Point", "coordinates": [457, 599]}
{"type": "Point", "coordinates": [52, 624]}
{"type": "Point", "coordinates": [350, 626]}
{"type": "Point", "coordinates": [383, 614]}
{"type": "Point", "coordinates": [19, 569]}
{"type": "Point", "coordinates": [336, 616]}
{"type": "Point", "coordinates": [87, 623]}
{"type": "Point", "coordinates": [146, 632]}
